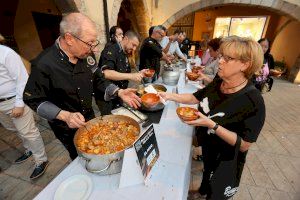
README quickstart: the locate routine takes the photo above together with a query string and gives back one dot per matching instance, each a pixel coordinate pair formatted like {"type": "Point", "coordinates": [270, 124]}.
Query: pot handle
{"type": "Point", "coordinates": [87, 161]}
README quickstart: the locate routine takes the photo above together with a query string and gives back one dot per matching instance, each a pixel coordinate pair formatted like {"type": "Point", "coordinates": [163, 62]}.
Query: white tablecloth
{"type": "Point", "coordinates": [170, 177]}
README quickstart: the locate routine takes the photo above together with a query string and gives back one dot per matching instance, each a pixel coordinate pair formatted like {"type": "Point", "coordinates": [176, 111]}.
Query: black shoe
{"type": "Point", "coordinates": [39, 170]}
{"type": "Point", "coordinates": [24, 157]}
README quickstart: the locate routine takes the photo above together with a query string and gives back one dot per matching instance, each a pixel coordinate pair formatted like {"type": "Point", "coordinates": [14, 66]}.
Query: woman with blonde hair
{"type": "Point", "coordinates": [239, 112]}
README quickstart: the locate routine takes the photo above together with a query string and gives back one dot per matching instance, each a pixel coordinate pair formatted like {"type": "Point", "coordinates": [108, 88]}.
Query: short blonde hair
{"type": "Point", "coordinates": [245, 50]}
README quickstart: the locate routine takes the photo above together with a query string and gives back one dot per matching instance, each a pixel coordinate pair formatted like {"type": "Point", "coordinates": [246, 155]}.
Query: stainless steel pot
{"type": "Point", "coordinates": [182, 64]}
{"type": "Point", "coordinates": [170, 75]}
{"type": "Point", "coordinates": [108, 163]}
{"type": "Point", "coordinates": [159, 106]}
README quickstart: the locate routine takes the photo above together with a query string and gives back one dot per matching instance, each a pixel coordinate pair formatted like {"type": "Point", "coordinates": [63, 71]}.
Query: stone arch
{"type": "Point", "coordinates": [279, 6]}
{"type": "Point", "coordinates": [115, 11]}
{"type": "Point", "coordinates": [140, 13]}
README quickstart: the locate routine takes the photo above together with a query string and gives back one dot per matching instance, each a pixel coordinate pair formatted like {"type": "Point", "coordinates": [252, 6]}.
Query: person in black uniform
{"type": "Point", "coordinates": [184, 44]}
{"type": "Point", "coordinates": [151, 52]}
{"type": "Point", "coordinates": [64, 77]}
{"type": "Point", "coordinates": [115, 67]}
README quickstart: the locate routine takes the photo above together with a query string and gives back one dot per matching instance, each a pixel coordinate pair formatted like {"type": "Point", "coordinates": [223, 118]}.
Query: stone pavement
{"type": "Point", "coordinates": [272, 170]}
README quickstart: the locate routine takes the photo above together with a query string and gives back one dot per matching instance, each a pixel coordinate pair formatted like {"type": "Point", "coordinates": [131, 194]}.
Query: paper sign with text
{"type": "Point", "coordinates": [147, 150]}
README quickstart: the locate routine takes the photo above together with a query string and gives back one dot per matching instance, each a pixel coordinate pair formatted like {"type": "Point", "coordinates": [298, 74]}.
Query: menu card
{"type": "Point", "coordinates": [147, 150]}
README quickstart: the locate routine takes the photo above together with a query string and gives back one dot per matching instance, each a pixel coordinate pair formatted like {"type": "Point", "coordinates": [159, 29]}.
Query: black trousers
{"type": "Point", "coordinates": [210, 157]}
{"type": "Point", "coordinates": [209, 166]}
{"type": "Point", "coordinates": [65, 136]}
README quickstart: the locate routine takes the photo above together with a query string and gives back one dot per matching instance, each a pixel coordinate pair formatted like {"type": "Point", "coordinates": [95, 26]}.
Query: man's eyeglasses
{"type": "Point", "coordinates": [92, 45]}
{"type": "Point", "coordinates": [161, 34]}
{"type": "Point", "coordinates": [226, 58]}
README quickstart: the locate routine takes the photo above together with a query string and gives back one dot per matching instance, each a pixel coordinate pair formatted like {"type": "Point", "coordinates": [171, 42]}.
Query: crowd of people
{"type": "Point", "coordinates": [66, 76]}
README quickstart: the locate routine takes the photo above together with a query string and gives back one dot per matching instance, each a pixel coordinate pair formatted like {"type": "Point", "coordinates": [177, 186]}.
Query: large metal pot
{"type": "Point", "coordinates": [158, 87]}
{"type": "Point", "coordinates": [170, 75]}
{"type": "Point", "coordinates": [108, 163]}
{"type": "Point", "coordinates": [182, 64]}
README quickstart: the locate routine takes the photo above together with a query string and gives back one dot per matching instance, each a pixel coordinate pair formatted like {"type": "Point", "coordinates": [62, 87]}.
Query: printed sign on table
{"type": "Point", "coordinates": [147, 150]}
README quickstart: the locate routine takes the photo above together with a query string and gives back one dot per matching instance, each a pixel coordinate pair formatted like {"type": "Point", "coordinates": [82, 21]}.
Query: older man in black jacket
{"type": "Point", "coordinates": [64, 78]}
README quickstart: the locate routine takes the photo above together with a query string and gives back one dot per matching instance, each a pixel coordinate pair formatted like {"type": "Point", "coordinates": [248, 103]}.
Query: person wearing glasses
{"type": "Point", "coordinates": [151, 52]}
{"type": "Point", "coordinates": [115, 66]}
{"type": "Point", "coordinates": [240, 114]}
{"type": "Point", "coordinates": [64, 78]}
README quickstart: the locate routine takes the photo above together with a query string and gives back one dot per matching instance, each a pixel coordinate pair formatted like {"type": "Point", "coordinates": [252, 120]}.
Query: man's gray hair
{"type": "Point", "coordinates": [72, 23]}
{"type": "Point", "coordinates": [158, 28]}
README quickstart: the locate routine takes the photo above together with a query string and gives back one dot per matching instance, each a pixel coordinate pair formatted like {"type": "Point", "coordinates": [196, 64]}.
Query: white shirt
{"type": "Point", "coordinates": [174, 47]}
{"type": "Point", "coordinates": [13, 75]}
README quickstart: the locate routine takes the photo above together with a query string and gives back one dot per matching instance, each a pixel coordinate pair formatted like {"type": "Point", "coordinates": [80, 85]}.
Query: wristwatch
{"type": "Point", "coordinates": [214, 129]}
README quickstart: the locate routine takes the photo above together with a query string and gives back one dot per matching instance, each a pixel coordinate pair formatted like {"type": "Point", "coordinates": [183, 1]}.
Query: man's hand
{"type": "Point", "coordinates": [143, 71]}
{"type": "Point", "coordinates": [129, 97]}
{"type": "Point", "coordinates": [17, 112]}
{"type": "Point", "coordinates": [136, 77]}
{"type": "Point", "coordinates": [172, 38]}
{"type": "Point", "coordinates": [171, 57]}
{"type": "Point", "coordinates": [73, 119]}
{"type": "Point", "coordinates": [166, 58]}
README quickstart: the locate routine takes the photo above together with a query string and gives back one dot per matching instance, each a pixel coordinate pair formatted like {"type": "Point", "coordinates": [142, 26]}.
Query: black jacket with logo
{"type": "Point", "coordinates": [114, 58]}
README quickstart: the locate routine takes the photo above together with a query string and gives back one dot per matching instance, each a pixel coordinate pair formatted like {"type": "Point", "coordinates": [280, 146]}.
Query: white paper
{"type": "Point", "coordinates": [131, 173]}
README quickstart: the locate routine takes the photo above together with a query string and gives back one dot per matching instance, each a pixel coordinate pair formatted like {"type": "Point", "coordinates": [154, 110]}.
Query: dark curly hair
{"type": "Point", "coordinates": [215, 43]}
{"type": "Point", "coordinates": [112, 33]}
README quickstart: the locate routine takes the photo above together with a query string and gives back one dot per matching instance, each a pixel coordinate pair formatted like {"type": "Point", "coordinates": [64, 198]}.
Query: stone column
{"type": "Point", "coordinates": [294, 75]}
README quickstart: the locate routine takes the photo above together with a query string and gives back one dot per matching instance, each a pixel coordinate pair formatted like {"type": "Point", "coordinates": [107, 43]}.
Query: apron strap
{"type": "Point", "coordinates": [237, 145]}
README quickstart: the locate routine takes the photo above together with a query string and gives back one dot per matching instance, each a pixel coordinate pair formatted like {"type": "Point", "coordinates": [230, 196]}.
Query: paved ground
{"type": "Point", "coordinates": [272, 170]}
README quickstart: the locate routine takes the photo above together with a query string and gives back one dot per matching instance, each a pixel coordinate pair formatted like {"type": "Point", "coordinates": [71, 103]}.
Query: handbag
{"type": "Point", "coordinates": [226, 177]}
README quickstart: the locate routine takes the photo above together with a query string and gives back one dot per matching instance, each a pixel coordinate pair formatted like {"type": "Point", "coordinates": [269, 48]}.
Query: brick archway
{"type": "Point", "coordinates": [279, 6]}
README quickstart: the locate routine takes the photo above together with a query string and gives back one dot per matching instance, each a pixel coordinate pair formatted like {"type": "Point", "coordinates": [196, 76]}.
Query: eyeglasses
{"type": "Point", "coordinates": [226, 58]}
{"type": "Point", "coordinates": [92, 45]}
{"type": "Point", "coordinates": [161, 34]}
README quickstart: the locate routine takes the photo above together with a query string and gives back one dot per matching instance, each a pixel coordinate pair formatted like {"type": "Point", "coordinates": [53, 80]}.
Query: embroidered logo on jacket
{"type": "Point", "coordinates": [90, 60]}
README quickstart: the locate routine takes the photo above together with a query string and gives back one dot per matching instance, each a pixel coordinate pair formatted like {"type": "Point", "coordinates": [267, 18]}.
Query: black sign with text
{"type": "Point", "coordinates": [147, 150]}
